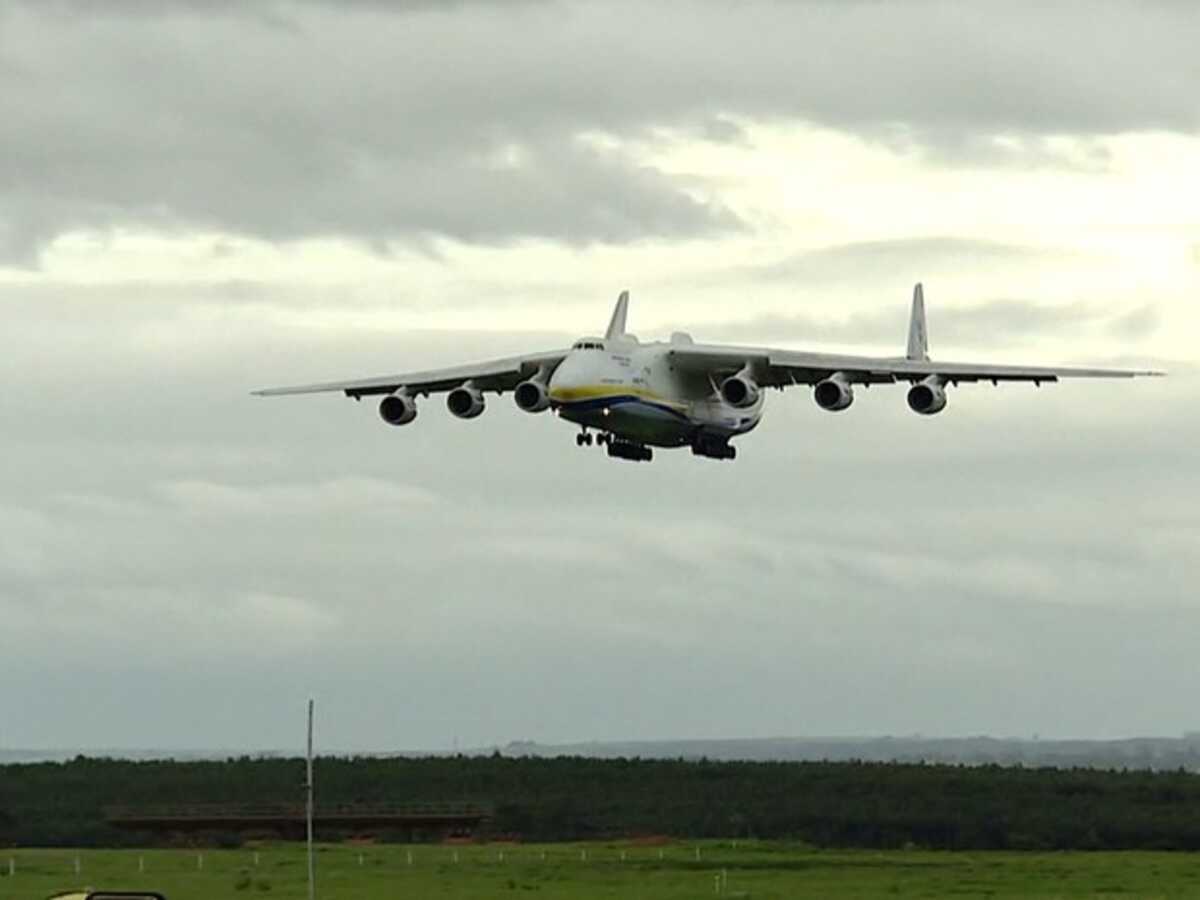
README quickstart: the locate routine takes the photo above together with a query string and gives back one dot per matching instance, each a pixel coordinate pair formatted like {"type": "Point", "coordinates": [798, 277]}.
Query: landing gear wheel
{"type": "Point", "coordinates": [713, 448]}
{"type": "Point", "coordinates": [631, 451]}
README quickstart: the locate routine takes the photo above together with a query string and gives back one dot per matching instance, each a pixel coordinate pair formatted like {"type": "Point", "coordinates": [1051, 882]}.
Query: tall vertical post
{"type": "Point", "coordinates": [308, 806]}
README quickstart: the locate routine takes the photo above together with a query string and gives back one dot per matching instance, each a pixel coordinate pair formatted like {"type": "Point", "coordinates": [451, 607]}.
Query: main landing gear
{"type": "Point", "coordinates": [628, 450]}
{"type": "Point", "coordinates": [713, 448]}
{"type": "Point", "coordinates": [617, 448]}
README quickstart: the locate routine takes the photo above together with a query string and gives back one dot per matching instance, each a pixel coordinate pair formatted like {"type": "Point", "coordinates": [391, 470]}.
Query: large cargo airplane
{"type": "Point", "coordinates": [629, 396]}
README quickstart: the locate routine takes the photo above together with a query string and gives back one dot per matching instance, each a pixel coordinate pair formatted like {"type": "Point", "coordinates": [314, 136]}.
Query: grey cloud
{"type": "Point", "coordinates": [993, 323]}
{"type": "Point", "coordinates": [1135, 324]}
{"type": "Point", "coordinates": [952, 144]}
{"type": "Point", "coordinates": [931, 260]}
{"type": "Point", "coordinates": [962, 574]}
{"type": "Point", "coordinates": [901, 259]}
{"type": "Point", "coordinates": [393, 122]}
{"type": "Point", "coordinates": [224, 500]}
{"type": "Point", "coordinates": [380, 146]}
{"type": "Point", "coordinates": [269, 10]}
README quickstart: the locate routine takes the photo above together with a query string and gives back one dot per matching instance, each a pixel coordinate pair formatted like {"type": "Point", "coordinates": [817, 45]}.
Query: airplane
{"type": "Point", "coordinates": [679, 393]}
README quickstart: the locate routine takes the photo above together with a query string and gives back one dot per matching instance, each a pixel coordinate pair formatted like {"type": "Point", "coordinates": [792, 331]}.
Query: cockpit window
{"type": "Point", "coordinates": [588, 345]}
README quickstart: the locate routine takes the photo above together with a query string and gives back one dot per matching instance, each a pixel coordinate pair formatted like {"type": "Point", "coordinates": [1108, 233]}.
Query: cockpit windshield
{"type": "Point", "coordinates": [588, 345]}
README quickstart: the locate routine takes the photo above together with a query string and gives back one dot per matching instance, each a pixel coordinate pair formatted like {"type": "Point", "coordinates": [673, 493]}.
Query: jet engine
{"type": "Point", "coordinates": [465, 401]}
{"type": "Point", "coordinates": [834, 393]}
{"type": "Point", "coordinates": [739, 390]}
{"type": "Point", "coordinates": [398, 409]}
{"type": "Point", "coordinates": [532, 396]}
{"type": "Point", "coordinates": [927, 397]}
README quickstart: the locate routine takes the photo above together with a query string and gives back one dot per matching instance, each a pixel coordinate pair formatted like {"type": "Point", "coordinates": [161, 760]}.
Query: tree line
{"type": "Point", "coordinates": [843, 804]}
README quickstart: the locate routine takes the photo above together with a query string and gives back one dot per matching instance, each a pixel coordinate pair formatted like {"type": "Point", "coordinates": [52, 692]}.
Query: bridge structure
{"type": "Point", "coordinates": [405, 821]}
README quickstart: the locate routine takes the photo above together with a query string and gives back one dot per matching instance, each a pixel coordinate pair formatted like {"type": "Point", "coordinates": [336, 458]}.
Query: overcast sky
{"type": "Point", "coordinates": [202, 198]}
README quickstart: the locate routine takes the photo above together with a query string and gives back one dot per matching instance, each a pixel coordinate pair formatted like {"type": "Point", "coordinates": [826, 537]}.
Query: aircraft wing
{"type": "Point", "coordinates": [492, 375]}
{"type": "Point", "coordinates": [781, 368]}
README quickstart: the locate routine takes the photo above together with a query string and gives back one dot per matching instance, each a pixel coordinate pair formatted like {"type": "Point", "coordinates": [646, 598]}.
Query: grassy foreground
{"type": "Point", "coordinates": [747, 869]}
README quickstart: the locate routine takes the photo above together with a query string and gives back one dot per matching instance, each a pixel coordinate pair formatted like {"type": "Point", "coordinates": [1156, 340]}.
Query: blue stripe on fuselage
{"type": "Point", "coordinates": [600, 403]}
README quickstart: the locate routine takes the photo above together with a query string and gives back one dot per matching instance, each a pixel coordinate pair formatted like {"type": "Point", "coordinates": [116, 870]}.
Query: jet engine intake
{"type": "Point", "coordinates": [398, 409]}
{"type": "Point", "coordinates": [465, 401]}
{"type": "Point", "coordinates": [834, 393]}
{"type": "Point", "coordinates": [927, 397]}
{"type": "Point", "coordinates": [532, 396]}
{"type": "Point", "coordinates": [739, 391]}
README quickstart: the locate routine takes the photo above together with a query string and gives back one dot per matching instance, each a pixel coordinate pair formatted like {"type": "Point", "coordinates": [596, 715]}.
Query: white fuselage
{"type": "Point", "coordinates": [632, 391]}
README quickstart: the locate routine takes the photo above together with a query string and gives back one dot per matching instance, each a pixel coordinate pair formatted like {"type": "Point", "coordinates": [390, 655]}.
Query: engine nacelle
{"type": "Point", "coordinates": [466, 402]}
{"type": "Point", "coordinates": [398, 409]}
{"type": "Point", "coordinates": [739, 391]}
{"type": "Point", "coordinates": [927, 397]}
{"type": "Point", "coordinates": [834, 393]}
{"type": "Point", "coordinates": [532, 396]}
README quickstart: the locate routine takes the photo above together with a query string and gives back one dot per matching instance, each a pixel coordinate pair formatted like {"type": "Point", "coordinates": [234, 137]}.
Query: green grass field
{"type": "Point", "coordinates": [759, 870]}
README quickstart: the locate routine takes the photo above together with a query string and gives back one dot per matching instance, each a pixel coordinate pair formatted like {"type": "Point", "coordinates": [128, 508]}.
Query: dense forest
{"type": "Point", "coordinates": [571, 798]}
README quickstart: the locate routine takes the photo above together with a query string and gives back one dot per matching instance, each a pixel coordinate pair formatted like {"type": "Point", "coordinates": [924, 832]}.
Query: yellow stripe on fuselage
{"type": "Point", "coordinates": [577, 393]}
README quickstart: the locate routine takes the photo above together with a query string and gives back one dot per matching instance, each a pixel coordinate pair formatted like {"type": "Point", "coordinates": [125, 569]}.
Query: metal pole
{"type": "Point", "coordinates": [312, 885]}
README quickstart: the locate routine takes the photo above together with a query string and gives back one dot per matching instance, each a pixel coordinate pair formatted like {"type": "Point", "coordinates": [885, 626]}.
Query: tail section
{"type": "Point", "coordinates": [918, 338]}
{"type": "Point", "coordinates": [616, 325]}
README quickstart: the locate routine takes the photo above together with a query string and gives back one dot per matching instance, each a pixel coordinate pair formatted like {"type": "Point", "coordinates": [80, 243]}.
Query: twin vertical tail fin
{"type": "Point", "coordinates": [616, 325]}
{"type": "Point", "coordinates": [918, 337]}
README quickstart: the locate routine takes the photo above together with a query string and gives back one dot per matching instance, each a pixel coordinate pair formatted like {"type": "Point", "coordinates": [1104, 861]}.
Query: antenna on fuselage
{"type": "Point", "coordinates": [616, 325]}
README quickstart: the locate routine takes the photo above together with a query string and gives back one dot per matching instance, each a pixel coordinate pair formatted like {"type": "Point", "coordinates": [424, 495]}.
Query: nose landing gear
{"type": "Point", "coordinates": [585, 438]}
